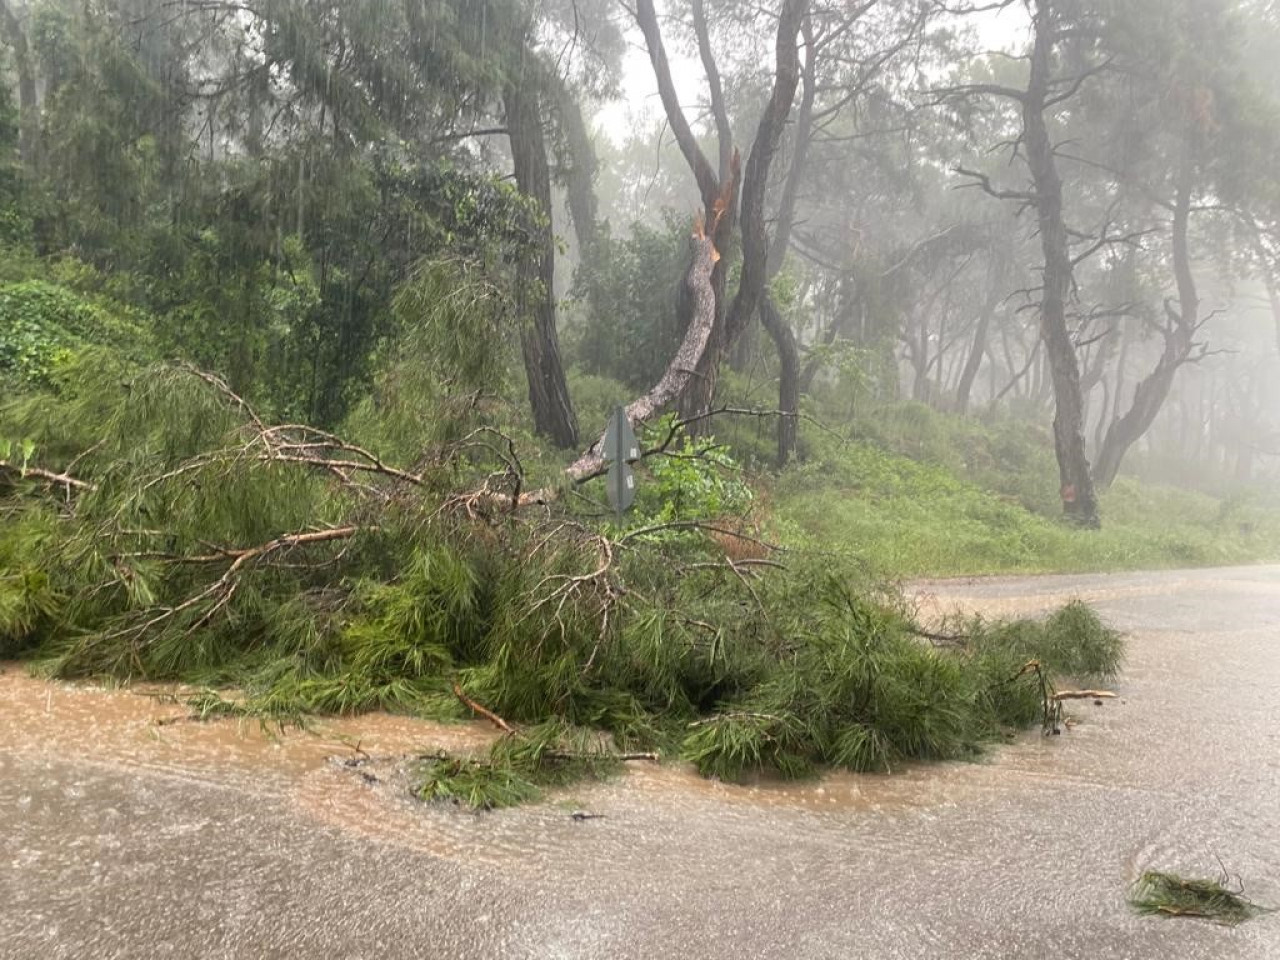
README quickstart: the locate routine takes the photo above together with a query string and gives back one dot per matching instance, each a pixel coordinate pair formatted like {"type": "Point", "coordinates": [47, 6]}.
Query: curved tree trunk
{"type": "Point", "coordinates": [1179, 333]}
{"type": "Point", "coordinates": [973, 363]}
{"type": "Point", "coordinates": [553, 415]}
{"type": "Point", "coordinates": [701, 303]}
{"type": "Point", "coordinates": [775, 324]}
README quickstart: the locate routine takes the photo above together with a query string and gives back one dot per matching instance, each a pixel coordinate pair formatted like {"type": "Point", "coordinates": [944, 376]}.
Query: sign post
{"type": "Point", "coordinates": [621, 450]}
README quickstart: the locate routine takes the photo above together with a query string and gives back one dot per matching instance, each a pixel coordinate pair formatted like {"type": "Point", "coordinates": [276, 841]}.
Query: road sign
{"type": "Point", "coordinates": [621, 450]}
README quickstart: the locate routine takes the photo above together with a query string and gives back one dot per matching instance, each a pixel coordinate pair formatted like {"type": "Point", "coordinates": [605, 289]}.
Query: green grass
{"type": "Point", "coordinates": [899, 517]}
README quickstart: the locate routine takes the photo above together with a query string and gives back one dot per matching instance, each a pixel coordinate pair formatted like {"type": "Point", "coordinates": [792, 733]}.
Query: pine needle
{"type": "Point", "coordinates": [1168, 895]}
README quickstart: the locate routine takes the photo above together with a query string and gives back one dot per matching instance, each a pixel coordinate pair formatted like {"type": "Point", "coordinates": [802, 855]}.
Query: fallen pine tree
{"type": "Point", "coordinates": [163, 529]}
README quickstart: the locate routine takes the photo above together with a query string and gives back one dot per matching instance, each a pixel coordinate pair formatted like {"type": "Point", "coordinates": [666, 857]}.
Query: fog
{"type": "Point", "coordinates": [1055, 213]}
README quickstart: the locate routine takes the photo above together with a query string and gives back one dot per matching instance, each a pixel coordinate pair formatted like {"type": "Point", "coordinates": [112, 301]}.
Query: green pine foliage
{"type": "Point", "coordinates": [207, 545]}
{"type": "Point", "coordinates": [1160, 894]}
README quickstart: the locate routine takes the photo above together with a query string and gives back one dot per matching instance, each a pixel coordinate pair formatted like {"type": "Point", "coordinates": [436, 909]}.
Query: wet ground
{"type": "Point", "coordinates": [124, 837]}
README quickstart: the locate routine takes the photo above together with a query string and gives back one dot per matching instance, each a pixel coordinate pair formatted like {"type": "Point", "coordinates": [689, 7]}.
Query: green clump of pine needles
{"type": "Point", "coordinates": [517, 768]}
{"type": "Point", "coordinates": [318, 574]}
{"type": "Point", "coordinates": [1157, 893]}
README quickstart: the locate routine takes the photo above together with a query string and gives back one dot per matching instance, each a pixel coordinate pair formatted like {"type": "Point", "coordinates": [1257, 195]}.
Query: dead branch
{"type": "Point", "coordinates": [941, 639]}
{"type": "Point", "coordinates": [488, 714]}
{"type": "Point", "coordinates": [1084, 695]}
{"type": "Point", "coordinates": [695, 525]}
{"type": "Point", "coordinates": [64, 480]}
{"type": "Point", "coordinates": [223, 590]}
{"type": "Point", "coordinates": [983, 182]}
{"type": "Point", "coordinates": [564, 755]}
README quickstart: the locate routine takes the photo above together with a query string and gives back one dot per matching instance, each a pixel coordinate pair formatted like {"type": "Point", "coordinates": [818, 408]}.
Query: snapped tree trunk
{"type": "Point", "coordinates": [701, 305]}
{"type": "Point", "coordinates": [1076, 482]}
{"type": "Point", "coordinates": [553, 415]}
{"type": "Point", "coordinates": [719, 194]}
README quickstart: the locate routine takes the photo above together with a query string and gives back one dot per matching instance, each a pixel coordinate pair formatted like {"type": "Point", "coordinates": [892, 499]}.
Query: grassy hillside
{"type": "Point", "coordinates": [953, 514]}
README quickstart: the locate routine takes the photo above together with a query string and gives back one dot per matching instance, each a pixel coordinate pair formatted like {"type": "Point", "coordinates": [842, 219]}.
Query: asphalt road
{"type": "Point", "coordinates": [123, 838]}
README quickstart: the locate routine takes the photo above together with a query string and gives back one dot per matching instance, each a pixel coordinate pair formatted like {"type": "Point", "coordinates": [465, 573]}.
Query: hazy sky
{"type": "Point", "coordinates": [640, 108]}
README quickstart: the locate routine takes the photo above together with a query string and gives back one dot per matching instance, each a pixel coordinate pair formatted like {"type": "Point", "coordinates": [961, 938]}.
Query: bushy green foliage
{"type": "Point", "coordinates": [627, 325]}
{"type": "Point", "coordinates": [863, 691]}
{"type": "Point", "coordinates": [42, 324]}
{"type": "Point", "coordinates": [690, 479]}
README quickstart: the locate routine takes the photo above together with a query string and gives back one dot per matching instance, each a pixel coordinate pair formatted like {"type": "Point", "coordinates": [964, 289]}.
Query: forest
{"type": "Point", "coordinates": [313, 315]}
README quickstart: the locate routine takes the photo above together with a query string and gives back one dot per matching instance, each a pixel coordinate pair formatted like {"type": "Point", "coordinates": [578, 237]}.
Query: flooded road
{"type": "Point", "coordinates": [121, 837]}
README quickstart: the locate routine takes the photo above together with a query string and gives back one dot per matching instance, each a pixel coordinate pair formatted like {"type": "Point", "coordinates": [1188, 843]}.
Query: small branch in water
{"type": "Point", "coordinates": [1084, 695]}
{"type": "Point", "coordinates": [488, 714]}
{"type": "Point", "coordinates": [622, 757]}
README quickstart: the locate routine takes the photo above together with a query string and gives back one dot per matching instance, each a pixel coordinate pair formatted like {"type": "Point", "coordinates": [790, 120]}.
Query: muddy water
{"type": "Point", "coordinates": [124, 837]}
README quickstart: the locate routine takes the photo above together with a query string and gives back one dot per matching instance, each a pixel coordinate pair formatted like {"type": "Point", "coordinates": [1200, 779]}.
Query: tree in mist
{"type": "Point", "coordinates": [1048, 89]}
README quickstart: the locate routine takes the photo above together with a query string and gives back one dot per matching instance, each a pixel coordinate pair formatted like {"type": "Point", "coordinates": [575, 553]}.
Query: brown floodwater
{"type": "Point", "coordinates": [126, 834]}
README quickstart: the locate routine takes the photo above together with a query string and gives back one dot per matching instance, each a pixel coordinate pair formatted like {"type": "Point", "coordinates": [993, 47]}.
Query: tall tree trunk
{"type": "Point", "coordinates": [578, 173]}
{"type": "Point", "coordinates": [1179, 333]}
{"type": "Point", "coordinates": [775, 324]}
{"type": "Point", "coordinates": [553, 415]}
{"type": "Point", "coordinates": [973, 363]}
{"type": "Point", "coordinates": [1076, 483]}
{"type": "Point", "coordinates": [788, 377]}
{"type": "Point", "coordinates": [28, 105]}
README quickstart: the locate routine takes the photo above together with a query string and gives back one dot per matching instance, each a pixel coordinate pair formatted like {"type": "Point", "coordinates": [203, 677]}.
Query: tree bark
{"type": "Point", "coordinates": [724, 132]}
{"type": "Point", "coordinates": [1179, 334]}
{"type": "Point", "coordinates": [1076, 482]}
{"type": "Point", "coordinates": [719, 197]}
{"type": "Point", "coordinates": [788, 378]}
{"type": "Point", "coordinates": [701, 299]}
{"type": "Point", "coordinates": [553, 415]}
{"type": "Point", "coordinates": [699, 388]}
{"type": "Point", "coordinates": [28, 105]}
{"type": "Point", "coordinates": [578, 173]}
{"type": "Point", "coordinates": [973, 363]}
{"type": "Point", "coordinates": [775, 324]}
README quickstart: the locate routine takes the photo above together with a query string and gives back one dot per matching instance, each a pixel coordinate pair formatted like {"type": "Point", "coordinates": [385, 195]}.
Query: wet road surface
{"type": "Point", "coordinates": [121, 837]}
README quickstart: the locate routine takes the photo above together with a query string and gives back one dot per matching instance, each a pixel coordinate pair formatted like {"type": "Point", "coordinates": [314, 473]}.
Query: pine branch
{"type": "Point", "coordinates": [49, 477]}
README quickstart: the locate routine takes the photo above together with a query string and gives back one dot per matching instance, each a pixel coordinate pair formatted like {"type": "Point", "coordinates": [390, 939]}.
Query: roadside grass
{"type": "Point", "coordinates": [898, 517]}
